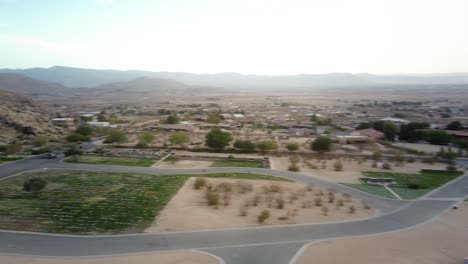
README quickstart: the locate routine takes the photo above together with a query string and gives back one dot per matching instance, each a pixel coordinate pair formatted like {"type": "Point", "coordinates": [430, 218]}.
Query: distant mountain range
{"type": "Point", "coordinates": [141, 86]}
{"type": "Point", "coordinates": [79, 78]}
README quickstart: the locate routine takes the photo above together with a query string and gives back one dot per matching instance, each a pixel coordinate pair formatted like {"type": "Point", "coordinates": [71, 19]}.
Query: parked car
{"type": "Point", "coordinates": [50, 155]}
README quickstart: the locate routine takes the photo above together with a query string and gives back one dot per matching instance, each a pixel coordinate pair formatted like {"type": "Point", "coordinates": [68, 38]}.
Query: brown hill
{"type": "Point", "coordinates": [32, 88]}
{"type": "Point", "coordinates": [20, 118]}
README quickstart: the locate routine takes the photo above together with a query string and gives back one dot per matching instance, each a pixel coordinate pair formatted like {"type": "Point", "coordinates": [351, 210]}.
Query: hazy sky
{"type": "Point", "coordinates": [246, 36]}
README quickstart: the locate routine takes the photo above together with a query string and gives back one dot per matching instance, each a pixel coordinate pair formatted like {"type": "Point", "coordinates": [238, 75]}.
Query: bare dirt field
{"type": "Point", "coordinates": [351, 169]}
{"type": "Point", "coordinates": [423, 147]}
{"type": "Point", "coordinates": [443, 240]}
{"type": "Point", "coordinates": [185, 164]}
{"type": "Point", "coordinates": [173, 257]}
{"type": "Point", "coordinates": [252, 197]}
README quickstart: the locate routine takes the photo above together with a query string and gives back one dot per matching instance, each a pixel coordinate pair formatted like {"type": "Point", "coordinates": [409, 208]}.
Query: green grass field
{"type": "Point", "coordinates": [111, 161]}
{"type": "Point", "coordinates": [251, 164]}
{"type": "Point", "coordinates": [372, 189]}
{"type": "Point", "coordinates": [9, 159]}
{"type": "Point", "coordinates": [84, 202]}
{"type": "Point", "coordinates": [427, 181]}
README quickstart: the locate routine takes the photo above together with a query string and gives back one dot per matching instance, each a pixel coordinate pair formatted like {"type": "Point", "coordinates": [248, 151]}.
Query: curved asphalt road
{"type": "Point", "coordinates": [274, 244]}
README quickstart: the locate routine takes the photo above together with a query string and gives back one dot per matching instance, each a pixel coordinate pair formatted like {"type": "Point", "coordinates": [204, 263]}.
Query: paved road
{"type": "Point", "coordinates": [247, 245]}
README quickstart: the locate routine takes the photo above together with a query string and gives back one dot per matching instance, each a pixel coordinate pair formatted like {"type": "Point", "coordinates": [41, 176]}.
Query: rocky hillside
{"type": "Point", "coordinates": [20, 118]}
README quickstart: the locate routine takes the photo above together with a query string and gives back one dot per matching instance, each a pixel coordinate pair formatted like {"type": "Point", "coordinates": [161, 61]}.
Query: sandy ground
{"type": "Point", "coordinates": [173, 257]}
{"type": "Point", "coordinates": [423, 147]}
{"type": "Point", "coordinates": [185, 164]}
{"type": "Point", "coordinates": [188, 209]}
{"type": "Point", "coordinates": [351, 169]}
{"type": "Point", "coordinates": [443, 240]}
{"type": "Point", "coordinates": [207, 154]}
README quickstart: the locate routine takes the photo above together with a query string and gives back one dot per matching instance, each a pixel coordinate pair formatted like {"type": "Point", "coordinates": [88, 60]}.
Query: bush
{"type": "Point", "coordinates": [321, 144]}
{"type": "Point", "coordinates": [451, 168]}
{"type": "Point", "coordinates": [293, 167]}
{"type": "Point", "coordinates": [75, 137]}
{"type": "Point", "coordinates": [72, 150]}
{"type": "Point", "coordinates": [428, 159]}
{"type": "Point", "coordinates": [318, 201]}
{"type": "Point", "coordinates": [212, 198]}
{"type": "Point", "coordinates": [352, 209]}
{"type": "Point", "coordinates": [199, 183]}
{"type": "Point", "coordinates": [34, 184]}
{"type": "Point", "coordinates": [264, 215]}
{"type": "Point", "coordinates": [325, 210]}
{"type": "Point", "coordinates": [243, 210]}
{"type": "Point", "coordinates": [338, 165]}
{"type": "Point", "coordinates": [280, 203]}
{"type": "Point", "coordinates": [292, 146]}
{"type": "Point", "coordinates": [386, 166]}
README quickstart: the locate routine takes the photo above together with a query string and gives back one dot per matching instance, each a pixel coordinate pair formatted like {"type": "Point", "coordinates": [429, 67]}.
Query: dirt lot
{"type": "Point", "coordinates": [443, 240]}
{"type": "Point", "coordinates": [191, 202]}
{"type": "Point", "coordinates": [423, 147]}
{"type": "Point", "coordinates": [351, 169]}
{"type": "Point", "coordinates": [185, 164]}
{"type": "Point", "coordinates": [173, 257]}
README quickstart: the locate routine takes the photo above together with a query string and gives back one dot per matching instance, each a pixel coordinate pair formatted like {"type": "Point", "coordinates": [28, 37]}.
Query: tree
{"type": "Point", "coordinates": [213, 118]}
{"type": "Point", "coordinates": [267, 145]}
{"type": "Point", "coordinates": [390, 131]}
{"type": "Point", "coordinates": [40, 141]}
{"type": "Point", "coordinates": [244, 145]}
{"type": "Point", "coordinates": [411, 131]}
{"type": "Point", "coordinates": [146, 137]}
{"type": "Point", "coordinates": [218, 139]}
{"type": "Point", "coordinates": [438, 137]}
{"type": "Point", "coordinates": [116, 136]}
{"type": "Point", "coordinates": [379, 125]}
{"type": "Point", "coordinates": [172, 119]}
{"type": "Point", "coordinates": [179, 138]}
{"type": "Point", "coordinates": [34, 184]}
{"type": "Point", "coordinates": [85, 130]}
{"type": "Point", "coordinates": [363, 126]}
{"type": "Point", "coordinates": [101, 118]}
{"type": "Point", "coordinates": [455, 125]}
{"type": "Point", "coordinates": [292, 146]}
{"type": "Point", "coordinates": [321, 144]}
{"type": "Point", "coordinates": [76, 137]}
{"type": "Point", "coordinates": [72, 150]}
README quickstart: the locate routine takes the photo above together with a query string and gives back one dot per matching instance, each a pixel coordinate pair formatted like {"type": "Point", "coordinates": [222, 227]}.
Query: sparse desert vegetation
{"type": "Point", "coordinates": [249, 202]}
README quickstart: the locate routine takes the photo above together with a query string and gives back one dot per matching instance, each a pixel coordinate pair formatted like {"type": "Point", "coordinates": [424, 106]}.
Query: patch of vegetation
{"type": "Point", "coordinates": [9, 159]}
{"type": "Point", "coordinates": [252, 164]}
{"type": "Point", "coordinates": [372, 189]}
{"type": "Point", "coordinates": [85, 202]}
{"type": "Point", "coordinates": [111, 161]}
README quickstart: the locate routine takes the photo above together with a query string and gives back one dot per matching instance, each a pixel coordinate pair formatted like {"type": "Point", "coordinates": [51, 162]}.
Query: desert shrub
{"type": "Point", "coordinates": [310, 187]}
{"type": "Point", "coordinates": [244, 187]}
{"type": "Point", "coordinates": [386, 166]}
{"type": "Point", "coordinates": [352, 209]}
{"type": "Point", "coordinates": [306, 204]}
{"type": "Point", "coordinates": [243, 210]}
{"type": "Point", "coordinates": [340, 202]}
{"type": "Point", "coordinates": [331, 198]}
{"type": "Point", "coordinates": [256, 200]}
{"type": "Point", "coordinates": [292, 197]}
{"type": "Point", "coordinates": [451, 168]}
{"type": "Point", "coordinates": [347, 197]}
{"type": "Point", "coordinates": [199, 183]}
{"type": "Point", "coordinates": [264, 215]}
{"type": "Point", "coordinates": [34, 184]}
{"type": "Point", "coordinates": [318, 201]}
{"type": "Point", "coordinates": [274, 188]}
{"type": "Point", "coordinates": [365, 205]}
{"type": "Point", "coordinates": [428, 159]}
{"type": "Point", "coordinates": [225, 186]}
{"type": "Point", "coordinates": [226, 199]}
{"type": "Point", "coordinates": [325, 210]}
{"type": "Point", "coordinates": [410, 160]}
{"type": "Point", "coordinates": [293, 167]}
{"type": "Point", "coordinates": [212, 198]}
{"type": "Point", "coordinates": [279, 202]}
{"type": "Point", "coordinates": [283, 218]}
{"type": "Point", "coordinates": [338, 166]}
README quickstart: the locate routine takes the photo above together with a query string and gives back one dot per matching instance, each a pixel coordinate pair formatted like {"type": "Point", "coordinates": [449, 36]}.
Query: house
{"type": "Point", "coordinates": [458, 133]}
{"type": "Point", "coordinates": [63, 122]}
{"type": "Point", "coordinates": [172, 127]}
{"type": "Point", "coordinates": [372, 133]}
{"type": "Point", "coordinates": [98, 124]}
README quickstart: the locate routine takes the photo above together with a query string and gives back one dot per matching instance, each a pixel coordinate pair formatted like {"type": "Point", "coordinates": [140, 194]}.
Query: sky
{"type": "Point", "coordinates": [245, 36]}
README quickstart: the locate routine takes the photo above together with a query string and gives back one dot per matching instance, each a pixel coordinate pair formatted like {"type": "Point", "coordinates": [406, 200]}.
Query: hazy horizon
{"type": "Point", "coordinates": [247, 37]}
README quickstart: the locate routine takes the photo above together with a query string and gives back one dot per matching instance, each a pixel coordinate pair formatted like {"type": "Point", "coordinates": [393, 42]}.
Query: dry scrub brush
{"type": "Point", "coordinates": [199, 183]}
{"type": "Point", "coordinates": [264, 215]}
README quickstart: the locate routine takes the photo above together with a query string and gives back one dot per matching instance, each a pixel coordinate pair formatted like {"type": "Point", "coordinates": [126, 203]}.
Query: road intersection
{"type": "Point", "coordinates": [271, 244]}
